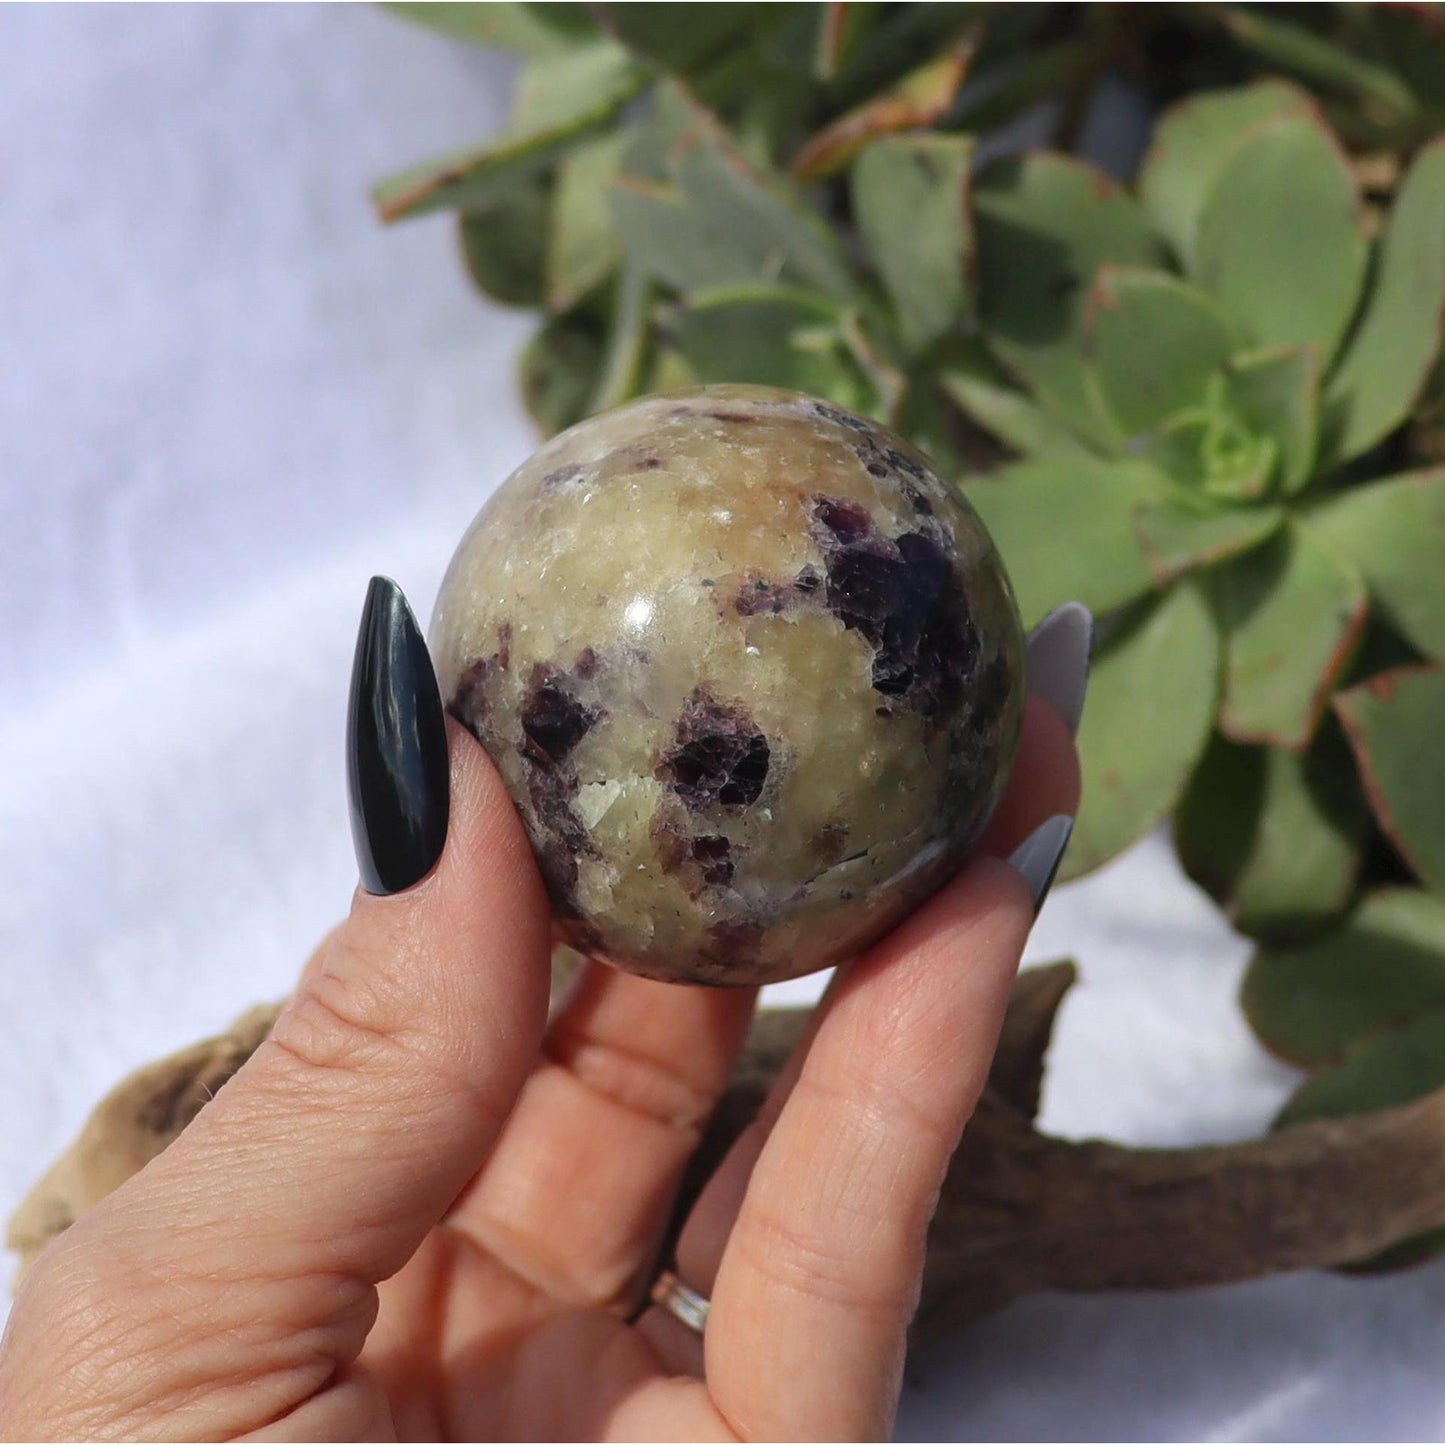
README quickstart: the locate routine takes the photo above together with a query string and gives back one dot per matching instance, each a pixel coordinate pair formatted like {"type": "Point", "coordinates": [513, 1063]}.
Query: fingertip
{"type": "Point", "coordinates": [989, 903]}
{"type": "Point", "coordinates": [471, 937]}
{"type": "Point", "coordinates": [487, 827]}
{"type": "Point", "coordinates": [487, 881]}
{"type": "Point", "coordinates": [1045, 780]}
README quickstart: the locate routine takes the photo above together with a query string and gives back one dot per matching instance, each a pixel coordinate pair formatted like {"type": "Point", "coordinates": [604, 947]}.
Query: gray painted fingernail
{"type": "Point", "coordinates": [1036, 859]}
{"type": "Point", "coordinates": [1059, 660]}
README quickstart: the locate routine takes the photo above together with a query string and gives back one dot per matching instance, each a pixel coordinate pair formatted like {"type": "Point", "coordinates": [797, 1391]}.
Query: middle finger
{"type": "Point", "coordinates": [577, 1192]}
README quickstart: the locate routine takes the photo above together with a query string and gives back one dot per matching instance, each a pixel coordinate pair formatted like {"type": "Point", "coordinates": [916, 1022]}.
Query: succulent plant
{"type": "Point", "coordinates": [1215, 366]}
{"type": "Point", "coordinates": [654, 193]}
{"type": "Point", "coordinates": [779, 193]}
{"type": "Point", "coordinates": [1210, 403]}
{"type": "Point", "coordinates": [1218, 366]}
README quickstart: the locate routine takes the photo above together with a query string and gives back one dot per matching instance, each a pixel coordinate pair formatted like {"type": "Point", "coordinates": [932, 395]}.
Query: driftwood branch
{"type": "Point", "coordinates": [1020, 1211]}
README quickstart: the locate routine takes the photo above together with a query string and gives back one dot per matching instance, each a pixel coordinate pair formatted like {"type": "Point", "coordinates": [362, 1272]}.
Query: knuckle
{"type": "Point", "coordinates": [93, 1311]}
{"type": "Point", "coordinates": [351, 1030]}
{"type": "Point", "coordinates": [643, 1086]}
{"type": "Point", "coordinates": [332, 1026]}
{"type": "Point", "coordinates": [892, 1114]}
{"type": "Point", "coordinates": [844, 1219]}
{"type": "Point", "coordinates": [903, 1068]}
{"type": "Point", "coordinates": [791, 1252]}
{"type": "Point", "coordinates": [112, 1339]}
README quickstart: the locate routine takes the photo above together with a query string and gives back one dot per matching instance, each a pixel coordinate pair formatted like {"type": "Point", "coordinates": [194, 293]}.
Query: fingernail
{"type": "Point", "coordinates": [1036, 859]}
{"type": "Point", "coordinates": [396, 755]}
{"type": "Point", "coordinates": [1059, 660]}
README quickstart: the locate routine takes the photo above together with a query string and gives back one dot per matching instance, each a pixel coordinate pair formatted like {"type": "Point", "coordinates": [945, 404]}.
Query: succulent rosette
{"type": "Point", "coordinates": [1215, 368]}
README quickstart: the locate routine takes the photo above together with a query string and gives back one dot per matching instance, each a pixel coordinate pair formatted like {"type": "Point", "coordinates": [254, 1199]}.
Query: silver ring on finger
{"type": "Point", "coordinates": [684, 1304]}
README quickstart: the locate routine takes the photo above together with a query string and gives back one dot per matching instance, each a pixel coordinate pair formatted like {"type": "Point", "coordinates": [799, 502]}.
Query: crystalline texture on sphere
{"type": "Point", "coordinates": [750, 671]}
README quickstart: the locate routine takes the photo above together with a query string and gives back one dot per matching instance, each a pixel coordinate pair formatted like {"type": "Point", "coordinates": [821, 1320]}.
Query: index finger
{"type": "Point", "coordinates": [820, 1276]}
{"type": "Point", "coordinates": [1043, 785]}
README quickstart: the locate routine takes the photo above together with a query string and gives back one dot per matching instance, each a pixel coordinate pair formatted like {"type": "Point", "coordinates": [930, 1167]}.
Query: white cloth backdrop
{"type": "Point", "coordinates": [226, 398]}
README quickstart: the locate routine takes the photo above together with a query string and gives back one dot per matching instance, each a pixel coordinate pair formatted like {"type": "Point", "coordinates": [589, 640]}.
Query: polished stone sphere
{"type": "Point", "coordinates": [752, 673]}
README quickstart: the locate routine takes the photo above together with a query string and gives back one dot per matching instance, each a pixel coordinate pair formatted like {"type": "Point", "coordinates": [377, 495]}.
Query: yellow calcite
{"type": "Point", "coordinates": [750, 670]}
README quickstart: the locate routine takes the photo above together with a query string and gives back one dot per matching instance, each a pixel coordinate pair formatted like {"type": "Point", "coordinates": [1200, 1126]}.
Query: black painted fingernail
{"type": "Point", "coordinates": [1037, 857]}
{"type": "Point", "coordinates": [397, 770]}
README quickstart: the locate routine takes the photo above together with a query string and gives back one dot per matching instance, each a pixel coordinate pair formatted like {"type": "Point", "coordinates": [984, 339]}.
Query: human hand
{"type": "Point", "coordinates": [421, 1211]}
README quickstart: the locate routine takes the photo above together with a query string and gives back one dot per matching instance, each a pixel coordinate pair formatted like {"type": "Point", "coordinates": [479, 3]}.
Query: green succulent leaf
{"type": "Point", "coordinates": [1165, 650]}
{"type": "Point", "coordinates": [821, 40]}
{"type": "Point", "coordinates": [531, 29]}
{"type": "Point", "coordinates": [713, 219]}
{"type": "Point", "coordinates": [1280, 241]}
{"type": "Point", "coordinates": [502, 244]}
{"type": "Point", "coordinates": [1291, 615]}
{"type": "Point", "coordinates": [1378, 1073]}
{"type": "Point", "coordinates": [768, 113]}
{"type": "Point", "coordinates": [624, 363]}
{"type": "Point", "coordinates": [553, 91]}
{"type": "Point", "coordinates": [1274, 837]}
{"type": "Point", "coordinates": [1006, 413]}
{"type": "Point", "coordinates": [1394, 532]}
{"type": "Point", "coordinates": [1190, 145]}
{"type": "Point", "coordinates": [1313, 58]}
{"type": "Point", "coordinates": [1383, 965]}
{"type": "Point", "coordinates": [1390, 356]}
{"type": "Point", "coordinates": [773, 337]}
{"type": "Point", "coordinates": [1152, 344]}
{"type": "Point", "coordinates": [910, 199]}
{"type": "Point", "coordinates": [664, 124]}
{"type": "Point", "coordinates": [1043, 225]}
{"type": "Point", "coordinates": [925, 414]}
{"type": "Point", "coordinates": [1393, 721]}
{"type": "Point", "coordinates": [901, 36]}
{"type": "Point", "coordinates": [667, 371]}
{"type": "Point", "coordinates": [873, 347]}
{"type": "Point", "coordinates": [1019, 82]}
{"type": "Point", "coordinates": [582, 249]}
{"type": "Point", "coordinates": [678, 37]}
{"type": "Point", "coordinates": [1066, 527]}
{"type": "Point", "coordinates": [1275, 394]}
{"type": "Point", "coordinates": [1177, 536]}
{"type": "Point", "coordinates": [917, 101]}
{"type": "Point", "coordinates": [559, 370]}
{"type": "Point", "coordinates": [580, 93]}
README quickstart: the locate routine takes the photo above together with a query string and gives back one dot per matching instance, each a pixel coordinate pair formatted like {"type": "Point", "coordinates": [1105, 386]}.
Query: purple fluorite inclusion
{"type": "Point", "coordinates": [719, 758]}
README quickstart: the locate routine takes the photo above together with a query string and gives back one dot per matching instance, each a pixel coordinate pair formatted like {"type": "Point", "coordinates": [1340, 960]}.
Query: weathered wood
{"type": "Point", "coordinates": [1020, 1211]}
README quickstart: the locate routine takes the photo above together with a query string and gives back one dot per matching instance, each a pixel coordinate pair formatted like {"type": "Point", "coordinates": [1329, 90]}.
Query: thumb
{"type": "Point", "coordinates": [392, 1069]}
{"type": "Point", "coordinates": [322, 1165]}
